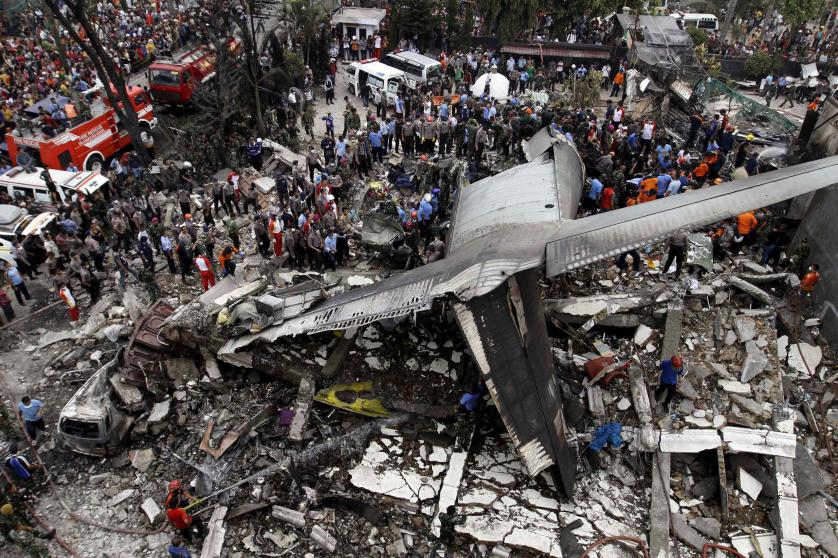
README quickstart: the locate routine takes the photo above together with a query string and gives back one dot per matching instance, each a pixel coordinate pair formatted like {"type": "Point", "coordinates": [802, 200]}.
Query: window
{"type": "Point", "coordinates": [375, 81]}
{"type": "Point", "coordinates": [394, 62]}
{"type": "Point", "coordinates": [707, 24]}
{"type": "Point", "coordinates": [350, 71]}
{"type": "Point", "coordinates": [80, 429]}
{"type": "Point", "coordinates": [64, 159]}
{"type": "Point", "coordinates": [433, 71]}
{"type": "Point", "coordinates": [187, 76]}
{"type": "Point", "coordinates": [413, 68]}
{"type": "Point", "coordinates": [165, 77]}
{"type": "Point", "coordinates": [23, 192]}
{"type": "Point", "coordinates": [393, 86]}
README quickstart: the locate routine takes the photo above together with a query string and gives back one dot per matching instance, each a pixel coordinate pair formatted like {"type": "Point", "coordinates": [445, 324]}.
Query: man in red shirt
{"type": "Point", "coordinates": [182, 521]}
{"type": "Point", "coordinates": [606, 202]}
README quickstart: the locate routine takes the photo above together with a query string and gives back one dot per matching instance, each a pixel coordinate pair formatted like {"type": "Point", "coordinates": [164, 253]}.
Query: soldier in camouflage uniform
{"type": "Point", "coordinates": [448, 522]}
{"type": "Point", "coordinates": [18, 531]}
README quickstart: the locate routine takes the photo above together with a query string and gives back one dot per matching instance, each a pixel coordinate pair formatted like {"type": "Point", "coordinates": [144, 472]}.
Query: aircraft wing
{"type": "Point", "coordinates": [584, 241]}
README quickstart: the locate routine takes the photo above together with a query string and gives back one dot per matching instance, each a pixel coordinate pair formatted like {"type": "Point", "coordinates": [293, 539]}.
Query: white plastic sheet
{"type": "Point", "coordinates": [498, 86]}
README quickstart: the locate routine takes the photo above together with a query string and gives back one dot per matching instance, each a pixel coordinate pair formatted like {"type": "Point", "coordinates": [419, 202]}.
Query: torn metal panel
{"type": "Point", "coordinates": [349, 398]}
{"type": "Point", "coordinates": [90, 423]}
{"type": "Point", "coordinates": [689, 440]}
{"type": "Point", "coordinates": [487, 261]}
{"type": "Point", "coordinates": [537, 145]}
{"type": "Point", "coordinates": [521, 377]}
{"type": "Point", "coordinates": [584, 241]}
{"type": "Point", "coordinates": [700, 251]}
{"type": "Point", "coordinates": [488, 206]}
{"type": "Point", "coordinates": [141, 363]}
{"type": "Point", "coordinates": [233, 436]}
{"type": "Point", "coordinates": [380, 230]}
{"type": "Point", "coordinates": [765, 442]}
{"type": "Point", "coordinates": [570, 177]}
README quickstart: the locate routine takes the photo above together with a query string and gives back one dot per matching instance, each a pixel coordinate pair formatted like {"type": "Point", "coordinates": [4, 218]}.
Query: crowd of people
{"type": "Point", "coordinates": [31, 69]}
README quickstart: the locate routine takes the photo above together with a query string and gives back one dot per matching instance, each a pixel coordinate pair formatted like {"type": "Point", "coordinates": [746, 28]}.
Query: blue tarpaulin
{"type": "Point", "coordinates": [607, 434]}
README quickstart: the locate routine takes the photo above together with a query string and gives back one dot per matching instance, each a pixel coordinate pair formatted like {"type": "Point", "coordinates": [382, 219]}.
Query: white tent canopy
{"type": "Point", "coordinates": [498, 86]}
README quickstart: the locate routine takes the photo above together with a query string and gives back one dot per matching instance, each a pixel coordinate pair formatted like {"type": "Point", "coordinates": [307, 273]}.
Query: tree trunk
{"type": "Point", "coordinates": [105, 68]}
{"type": "Point", "coordinates": [62, 55]}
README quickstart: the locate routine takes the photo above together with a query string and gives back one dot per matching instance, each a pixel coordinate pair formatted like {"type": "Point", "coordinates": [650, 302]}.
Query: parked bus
{"type": "Point", "coordinates": [418, 69]}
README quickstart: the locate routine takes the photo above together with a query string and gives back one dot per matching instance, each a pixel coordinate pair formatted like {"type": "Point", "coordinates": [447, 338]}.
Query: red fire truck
{"type": "Point", "coordinates": [87, 144]}
{"type": "Point", "coordinates": [173, 81]}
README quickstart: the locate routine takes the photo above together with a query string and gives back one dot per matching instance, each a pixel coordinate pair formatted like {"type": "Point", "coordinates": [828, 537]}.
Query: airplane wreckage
{"type": "Point", "coordinates": [505, 230]}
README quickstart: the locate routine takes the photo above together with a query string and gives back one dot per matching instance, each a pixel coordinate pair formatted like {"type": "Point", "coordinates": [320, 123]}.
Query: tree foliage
{"type": "Point", "coordinates": [508, 19]}
{"type": "Point", "coordinates": [567, 12]}
{"type": "Point", "coordinates": [699, 36]}
{"type": "Point", "coordinates": [413, 19]}
{"type": "Point", "coordinates": [306, 21]}
{"type": "Point", "coordinates": [799, 11]}
{"type": "Point", "coordinates": [760, 65]}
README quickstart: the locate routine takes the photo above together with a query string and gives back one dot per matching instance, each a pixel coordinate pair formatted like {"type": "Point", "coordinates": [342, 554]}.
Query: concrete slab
{"type": "Point", "coordinates": [748, 484]}
{"type": "Point", "coordinates": [216, 530]}
{"type": "Point", "coordinates": [686, 533]}
{"type": "Point", "coordinates": [659, 508]}
{"type": "Point", "coordinates": [302, 405]}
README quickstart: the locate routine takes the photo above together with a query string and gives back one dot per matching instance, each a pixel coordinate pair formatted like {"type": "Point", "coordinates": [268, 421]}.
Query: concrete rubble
{"type": "Point", "coordinates": [351, 443]}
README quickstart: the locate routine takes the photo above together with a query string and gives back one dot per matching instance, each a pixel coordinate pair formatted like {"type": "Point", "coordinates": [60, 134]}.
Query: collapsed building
{"type": "Point", "coordinates": [546, 485]}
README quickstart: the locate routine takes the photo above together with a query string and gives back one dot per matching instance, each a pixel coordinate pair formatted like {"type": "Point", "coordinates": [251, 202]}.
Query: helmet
{"type": "Point", "coordinates": [174, 485]}
{"type": "Point", "coordinates": [413, 214]}
{"type": "Point", "coordinates": [6, 509]}
{"type": "Point", "coordinates": [718, 181]}
{"type": "Point", "coordinates": [749, 137]}
{"type": "Point", "coordinates": [428, 197]}
{"type": "Point", "coordinates": [188, 216]}
{"type": "Point", "coordinates": [677, 361]}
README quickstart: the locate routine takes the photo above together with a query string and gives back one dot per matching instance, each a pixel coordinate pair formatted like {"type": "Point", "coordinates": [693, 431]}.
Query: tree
{"type": "Point", "coordinates": [699, 36]}
{"type": "Point", "coordinates": [74, 13]}
{"type": "Point", "coordinates": [799, 11]}
{"type": "Point", "coordinates": [760, 65]}
{"type": "Point", "coordinates": [509, 19]}
{"type": "Point", "coordinates": [414, 18]}
{"type": "Point", "coordinates": [307, 19]}
{"type": "Point", "coordinates": [566, 13]}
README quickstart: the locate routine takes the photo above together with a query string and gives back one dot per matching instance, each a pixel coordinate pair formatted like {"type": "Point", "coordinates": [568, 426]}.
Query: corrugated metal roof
{"type": "Point", "coordinates": [563, 50]}
{"type": "Point", "coordinates": [587, 240]}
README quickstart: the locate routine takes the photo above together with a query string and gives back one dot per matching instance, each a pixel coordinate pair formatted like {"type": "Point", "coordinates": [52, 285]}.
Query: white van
{"type": "Point", "coordinates": [708, 22]}
{"type": "Point", "coordinates": [16, 221]}
{"type": "Point", "coordinates": [19, 183]}
{"type": "Point", "coordinates": [383, 80]}
{"type": "Point", "coordinates": [418, 69]}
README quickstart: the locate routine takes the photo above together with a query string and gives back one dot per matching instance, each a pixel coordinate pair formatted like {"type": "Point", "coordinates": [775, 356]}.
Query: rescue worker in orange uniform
{"type": "Point", "coordinates": [648, 190]}
{"type": "Point", "coordinates": [807, 284]}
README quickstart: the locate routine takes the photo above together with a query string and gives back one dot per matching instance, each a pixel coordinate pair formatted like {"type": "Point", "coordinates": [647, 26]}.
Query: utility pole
{"type": "Point", "coordinates": [731, 9]}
